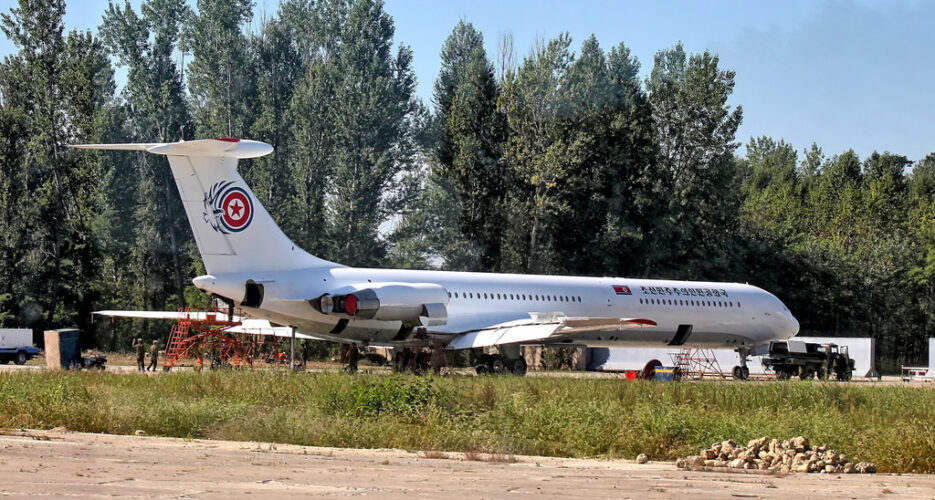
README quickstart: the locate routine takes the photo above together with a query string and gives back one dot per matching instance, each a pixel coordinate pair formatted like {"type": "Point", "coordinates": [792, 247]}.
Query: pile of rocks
{"type": "Point", "coordinates": [792, 455]}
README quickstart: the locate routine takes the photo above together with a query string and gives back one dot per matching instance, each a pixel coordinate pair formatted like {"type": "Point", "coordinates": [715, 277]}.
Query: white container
{"type": "Point", "coordinates": [11, 338]}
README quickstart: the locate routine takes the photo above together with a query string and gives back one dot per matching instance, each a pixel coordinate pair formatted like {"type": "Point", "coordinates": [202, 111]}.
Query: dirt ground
{"type": "Point", "coordinates": [61, 463]}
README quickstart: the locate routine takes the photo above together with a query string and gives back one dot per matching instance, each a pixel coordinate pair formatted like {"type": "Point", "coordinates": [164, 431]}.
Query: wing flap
{"type": "Point", "coordinates": [536, 330]}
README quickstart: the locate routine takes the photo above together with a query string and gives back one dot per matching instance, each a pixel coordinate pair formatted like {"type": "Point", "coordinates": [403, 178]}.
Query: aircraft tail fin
{"type": "Point", "coordinates": [233, 230]}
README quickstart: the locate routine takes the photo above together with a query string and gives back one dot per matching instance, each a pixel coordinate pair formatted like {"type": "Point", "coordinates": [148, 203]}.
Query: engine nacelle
{"type": "Point", "coordinates": [388, 302]}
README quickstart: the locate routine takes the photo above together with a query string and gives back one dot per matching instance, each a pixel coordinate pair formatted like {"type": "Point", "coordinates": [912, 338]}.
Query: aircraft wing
{"type": "Point", "coordinates": [543, 329]}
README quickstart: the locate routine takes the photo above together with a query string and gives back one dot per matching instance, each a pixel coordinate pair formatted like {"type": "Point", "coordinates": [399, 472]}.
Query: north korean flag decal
{"type": "Point", "coordinates": [228, 208]}
{"type": "Point", "coordinates": [622, 290]}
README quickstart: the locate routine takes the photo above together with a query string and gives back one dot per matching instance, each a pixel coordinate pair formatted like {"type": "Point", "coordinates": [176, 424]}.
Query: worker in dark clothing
{"type": "Point", "coordinates": [140, 354]}
{"type": "Point", "coordinates": [306, 351]}
{"type": "Point", "coordinates": [353, 355]}
{"type": "Point", "coordinates": [153, 356]}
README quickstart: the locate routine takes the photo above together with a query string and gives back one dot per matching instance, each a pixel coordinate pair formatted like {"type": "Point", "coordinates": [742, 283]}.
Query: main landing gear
{"type": "Point", "coordinates": [509, 360]}
{"type": "Point", "coordinates": [496, 364]}
{"type": "Point", "coordinates": [742, 372]}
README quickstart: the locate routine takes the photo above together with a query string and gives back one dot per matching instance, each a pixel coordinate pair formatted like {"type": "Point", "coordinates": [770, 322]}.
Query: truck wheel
{"type": "Point", "coordinates": [822, 374]}
{"type": "Point", "coordinates": [519, 367]}
{"type": "Point", "coordinates": [806, 374]}
{"type": "Point", "coordinates": [782, 374]}
{"type": "Point", "coordinates": [845, 375]}
{"type": "Point", "coordinates": [21, 358]}
{"type": "Point", "coordinates": [4, 360]}
{"type": "Point", "coordinates": [497, 366]}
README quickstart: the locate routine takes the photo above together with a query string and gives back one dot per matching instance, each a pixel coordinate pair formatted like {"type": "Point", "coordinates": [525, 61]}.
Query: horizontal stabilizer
{"type": "Point", "coordinates": [169, 315]}
{"type": "Point", "coordinates": [217, 148]}
{"type": "Point", "coordinates": [264, 328]}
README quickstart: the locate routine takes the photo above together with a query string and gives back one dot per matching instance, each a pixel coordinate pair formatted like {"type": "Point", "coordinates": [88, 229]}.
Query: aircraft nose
{"type": "Point", "coordinates": [792, 327]}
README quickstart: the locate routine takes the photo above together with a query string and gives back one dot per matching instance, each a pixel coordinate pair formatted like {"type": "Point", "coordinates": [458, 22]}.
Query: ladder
{"type": "Point", "coordinates": [176, 348]}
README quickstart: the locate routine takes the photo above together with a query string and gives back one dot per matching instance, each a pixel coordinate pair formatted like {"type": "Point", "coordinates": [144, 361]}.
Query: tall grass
{"type": "Point", "coordinates": [891, 426]}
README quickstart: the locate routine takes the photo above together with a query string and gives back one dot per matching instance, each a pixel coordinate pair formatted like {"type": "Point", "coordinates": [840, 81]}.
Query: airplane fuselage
{"type": "Point", "coordinates": [719, 314]}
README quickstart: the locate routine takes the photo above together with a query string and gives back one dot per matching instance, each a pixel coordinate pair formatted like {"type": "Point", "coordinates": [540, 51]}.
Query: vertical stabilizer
{"type": "Point", "coordinates": [233, 230]}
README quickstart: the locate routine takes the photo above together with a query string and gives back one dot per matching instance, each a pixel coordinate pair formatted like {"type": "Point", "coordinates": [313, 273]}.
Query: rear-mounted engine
{"type": "Point", "coordinates": [388, 302]}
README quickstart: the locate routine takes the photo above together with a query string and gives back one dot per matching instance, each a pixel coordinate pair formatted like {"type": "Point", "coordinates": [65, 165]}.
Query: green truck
{"type": "Point", "coordinates": [806, 360]}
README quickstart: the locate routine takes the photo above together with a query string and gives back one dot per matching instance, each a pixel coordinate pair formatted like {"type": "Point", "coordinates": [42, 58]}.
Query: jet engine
{"type": "Point", "coordinates": [387, 302]}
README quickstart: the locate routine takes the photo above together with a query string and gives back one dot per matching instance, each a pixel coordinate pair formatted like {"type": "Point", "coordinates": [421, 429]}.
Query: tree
{"type": "Point", "coordinates": [146, 44]}
{"type": "Point", "coordinates": [62, 86]}
{"type": "Point", "coordinates": [372, 105]}
{"type": "Point", "coordinates": [531, 101]}
{"type": "Point", "coordinates": [470, 140]}
{"type": "Point", "coordinates": [220, 77]}
{"type": "Point", "coordinates": [695, 128]}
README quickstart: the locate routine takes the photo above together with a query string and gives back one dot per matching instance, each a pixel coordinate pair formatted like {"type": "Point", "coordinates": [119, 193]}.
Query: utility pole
{"type": "Point", "coordinates": [292, 351]}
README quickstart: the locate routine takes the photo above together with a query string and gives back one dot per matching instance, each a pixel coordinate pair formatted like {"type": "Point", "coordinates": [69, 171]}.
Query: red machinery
{"type": "Point", "coordinates": [202, 331]}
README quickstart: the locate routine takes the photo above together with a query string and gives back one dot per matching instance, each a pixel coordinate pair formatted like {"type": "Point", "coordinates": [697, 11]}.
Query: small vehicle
{"type": "Point", "coordinates": [16, 346]}
{"type": "Point", "coordinates": [806, 360]}
{"type": "Point", "coordinates": [93, 362]}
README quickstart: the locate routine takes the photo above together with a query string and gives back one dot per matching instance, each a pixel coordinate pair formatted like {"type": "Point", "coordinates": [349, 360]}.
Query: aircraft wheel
{"type": "Point", "coordinates": [519, 367]}
{"type": "Point", "coordinates": [482, 369]}
{"type": "Point", "coordinates": [497, 366]}
{"type": "Point", "coordinates": [741, 373]}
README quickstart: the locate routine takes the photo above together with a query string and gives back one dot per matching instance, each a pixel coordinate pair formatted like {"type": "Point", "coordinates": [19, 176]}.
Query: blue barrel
{"type": "Point", "coordinates": [664, 373]}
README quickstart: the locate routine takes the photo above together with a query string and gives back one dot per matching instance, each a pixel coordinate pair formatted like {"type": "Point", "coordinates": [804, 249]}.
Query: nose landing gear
{"type": "Point", "coordinates": [742, 372]}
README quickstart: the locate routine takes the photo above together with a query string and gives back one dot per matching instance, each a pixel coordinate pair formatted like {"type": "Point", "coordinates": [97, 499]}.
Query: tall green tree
{"type": "Point", "coordinates": [532, 98]}
{"type": "Point", "coordinates": [146, 44]}
{"type": "Point", "coordinates": [695, 128]}
{"type": "Point", "coordinates": [373, 104]}
{"type": "Point", "coordinates": [220, 78]}
{"type": "Point", "coordinates": [61, 86]}
{"type": "Point", "coordinates": [470, 141]}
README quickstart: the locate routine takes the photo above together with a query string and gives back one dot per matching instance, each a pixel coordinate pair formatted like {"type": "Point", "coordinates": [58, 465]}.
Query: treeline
{"type": "Point", "coordinates": [561, 162]}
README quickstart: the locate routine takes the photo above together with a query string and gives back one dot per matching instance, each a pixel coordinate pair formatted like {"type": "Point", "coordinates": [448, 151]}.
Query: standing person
{"type": "Point", "coordinates": [153, 355]}
{"type": "Point", "coordinates": [353, 355]}
{"type": "Point", "coordinates": [140, 354]}
{"type": "Point", "coordinates": [305, 352]}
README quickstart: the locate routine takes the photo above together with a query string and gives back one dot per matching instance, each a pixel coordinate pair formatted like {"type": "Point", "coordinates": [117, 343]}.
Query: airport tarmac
{"type": "Point", "coordinates": [62, 463]}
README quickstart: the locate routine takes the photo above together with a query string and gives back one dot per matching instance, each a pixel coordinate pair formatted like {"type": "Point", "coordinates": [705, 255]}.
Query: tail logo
{"type": "Point", "coordinates": [228, 208]}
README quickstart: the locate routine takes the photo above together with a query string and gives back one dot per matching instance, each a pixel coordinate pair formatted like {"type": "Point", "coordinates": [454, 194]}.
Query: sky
{"type": "Point", "coordinates": [854, 74]}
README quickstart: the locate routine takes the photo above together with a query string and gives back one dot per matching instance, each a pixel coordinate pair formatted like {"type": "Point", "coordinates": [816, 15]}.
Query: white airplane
{"type": "Point", "coordinates": [250, 262]}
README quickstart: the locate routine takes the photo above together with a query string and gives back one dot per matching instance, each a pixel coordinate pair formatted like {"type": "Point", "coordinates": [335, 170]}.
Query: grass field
{"type": "Point", "coordinates": [891, 426]}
